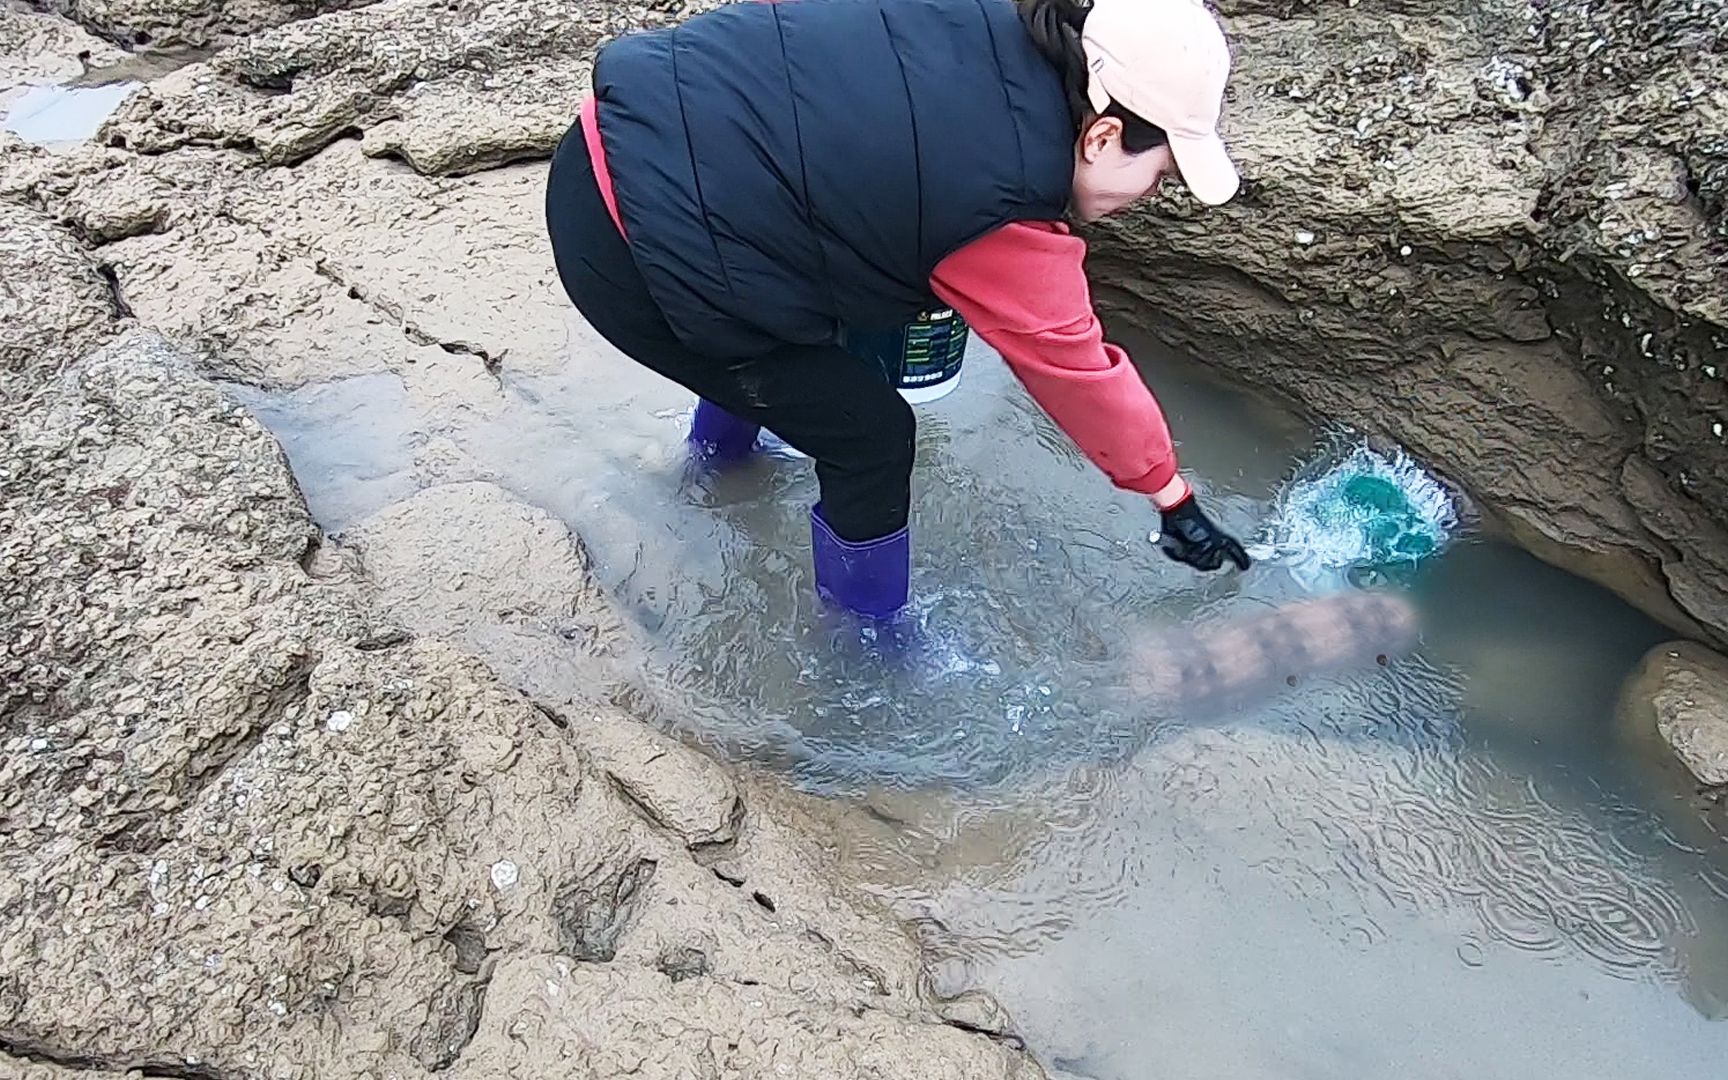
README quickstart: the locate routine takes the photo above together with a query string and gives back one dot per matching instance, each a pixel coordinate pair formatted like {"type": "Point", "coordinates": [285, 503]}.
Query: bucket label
{"type": "Point", "coordinates": [920, 359]}
{"type": "Point", "coordinates": [934, 347]}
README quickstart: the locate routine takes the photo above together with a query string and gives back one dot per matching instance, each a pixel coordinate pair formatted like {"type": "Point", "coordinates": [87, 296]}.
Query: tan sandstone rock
{"type": "Point", "coordinates": [1680, 691]}
{"type": "Point", "coordinates": [159, 23]}
{"type": "Point", "coordinates": [40, 48]}
{"type": "Point", "coordinates": [55, 305]}
{"type": "Point", "coordinates": [450, 88]}
{"type": "Point", "coordinates": [251, 829]}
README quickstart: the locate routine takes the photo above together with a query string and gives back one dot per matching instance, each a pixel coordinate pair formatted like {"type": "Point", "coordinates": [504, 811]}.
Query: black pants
{"type": "Point", "coordinates": [837, 408]}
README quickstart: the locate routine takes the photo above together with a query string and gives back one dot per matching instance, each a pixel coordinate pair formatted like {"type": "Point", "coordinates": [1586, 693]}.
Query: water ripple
{"type": "Point", "coordinates": [1357, 829]}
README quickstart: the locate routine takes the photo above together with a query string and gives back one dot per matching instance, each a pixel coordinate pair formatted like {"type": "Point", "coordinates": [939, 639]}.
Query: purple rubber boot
{"type": "Point", "coordinates": [718, 436]}
{"type": "Point", "coordinates": [870, 577]}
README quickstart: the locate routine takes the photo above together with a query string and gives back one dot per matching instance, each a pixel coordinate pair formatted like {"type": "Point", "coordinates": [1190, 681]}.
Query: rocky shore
{"type": "Point", "coordinates": [267, 814]}
{"type": "Point", "coordinates": [1496, 232]}
{"type": "Point", "coordinates": [255, 826]}
{"type": "Point", "coordinates": [270, 813]}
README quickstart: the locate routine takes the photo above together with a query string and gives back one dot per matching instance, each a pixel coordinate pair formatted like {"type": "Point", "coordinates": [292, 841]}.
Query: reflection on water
{"type": "Point", "coordinates": [1440, 867]}
{"type": "Point", "coordinates": [71, 112]}
{"type": "Point", "coordinates": [63, 114]}
{"type": "Point", "coordinates": [351, 443]}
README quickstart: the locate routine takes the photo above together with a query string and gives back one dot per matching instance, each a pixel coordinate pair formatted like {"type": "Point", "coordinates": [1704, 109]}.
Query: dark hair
{"type": "Point", "coordinates": [1055, 29]}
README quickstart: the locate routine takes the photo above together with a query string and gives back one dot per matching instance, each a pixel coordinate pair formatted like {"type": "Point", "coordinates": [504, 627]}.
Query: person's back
{"type": "Point", "coordinates": [783, 168]}
{"type": "Point", "coordinates": [745, 188]}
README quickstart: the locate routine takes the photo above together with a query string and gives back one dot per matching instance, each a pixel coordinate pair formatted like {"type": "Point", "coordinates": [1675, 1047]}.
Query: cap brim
{"type": "Point", "coordinates": [1206, 168]}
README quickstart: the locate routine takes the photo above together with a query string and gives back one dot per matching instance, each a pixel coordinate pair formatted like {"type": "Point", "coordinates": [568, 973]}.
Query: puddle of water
{"type": "Point", "coordinates": [351, 443]}
{"type": "Point", "coordinates": [1448, 866]}
{"type": "Point", "coordinates": [51, 115]}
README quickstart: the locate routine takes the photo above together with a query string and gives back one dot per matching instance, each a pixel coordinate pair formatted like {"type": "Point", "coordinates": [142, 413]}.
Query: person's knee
{"type": "Point", "coordinates": [892, 480]}
{"type": "Point", "coordinates": [899, 433]}
{"type": "Point", "coordinates": [866, 486]}
{"type": "Point", "coordinates": [881, 436]}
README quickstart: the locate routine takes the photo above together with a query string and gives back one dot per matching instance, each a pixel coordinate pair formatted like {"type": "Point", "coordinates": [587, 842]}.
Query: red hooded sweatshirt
{"type": "Point", "coordinates": [1023, 289]}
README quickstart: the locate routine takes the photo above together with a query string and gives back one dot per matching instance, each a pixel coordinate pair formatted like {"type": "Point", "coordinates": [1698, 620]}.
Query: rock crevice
{"type": "Point", "coordinates": [1495, 233]}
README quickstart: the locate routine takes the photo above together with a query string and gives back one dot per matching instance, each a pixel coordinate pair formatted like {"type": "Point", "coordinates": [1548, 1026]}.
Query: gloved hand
{"type": "Point", "coordinates": [1189, 536]}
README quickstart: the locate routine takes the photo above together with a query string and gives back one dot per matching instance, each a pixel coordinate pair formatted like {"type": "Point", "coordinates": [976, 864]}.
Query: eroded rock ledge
{"type": "Point", "coordinates": [1495, 232]}
{"type": "Point", "coordinates": [196, 23]}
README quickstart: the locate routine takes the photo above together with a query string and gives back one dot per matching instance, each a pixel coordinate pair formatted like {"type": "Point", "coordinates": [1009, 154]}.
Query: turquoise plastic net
{"type": "Point", "coordinates": [1357, 512]}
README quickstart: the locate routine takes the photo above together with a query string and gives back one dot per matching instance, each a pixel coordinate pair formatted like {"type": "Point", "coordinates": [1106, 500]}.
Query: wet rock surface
{"type": "Point", "coordinates": [1494, 232]}
{"type": "Point", "coordinates": [1681, 692]}
{"type": "Point", "coordinates": [41, 48]}
{"type": "Point", "coordinates": [725, 1029]}
{"type": "Point", "coordinates": [404, 549]}
{"type": "Point", "coordinates": [284, 841]}
{"type": "Point", "coordinates": [281, 802]}
{"type": "Point", "coordinates": [268, 812]}
{"type": "Point", "coordinates": [159, 23]}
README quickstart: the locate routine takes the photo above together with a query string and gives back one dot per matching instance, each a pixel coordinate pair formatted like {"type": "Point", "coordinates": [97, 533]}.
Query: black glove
{"type": "Point", "coordinates": [1189, 536]}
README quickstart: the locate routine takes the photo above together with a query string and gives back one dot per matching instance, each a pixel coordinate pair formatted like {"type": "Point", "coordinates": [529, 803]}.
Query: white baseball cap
{"type": "Point", "coordinates": [1166, 62]}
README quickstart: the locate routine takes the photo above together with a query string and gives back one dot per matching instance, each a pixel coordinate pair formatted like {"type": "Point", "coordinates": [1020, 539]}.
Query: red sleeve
{"type": "Point", "coordinates": [1023, 289]}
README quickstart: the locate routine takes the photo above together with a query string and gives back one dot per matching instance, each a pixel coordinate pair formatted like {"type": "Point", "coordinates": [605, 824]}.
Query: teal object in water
{"type": "Point", "coordinates": [1395, 528]}
{"type": "Point", "coordinates": [1357, 511]}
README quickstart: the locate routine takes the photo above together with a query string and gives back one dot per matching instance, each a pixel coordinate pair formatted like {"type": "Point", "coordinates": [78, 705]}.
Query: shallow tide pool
{"type": "Point", "coordinates": [1453, 865]}
{"type": "Point", "coordinates": [50, 115]}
